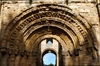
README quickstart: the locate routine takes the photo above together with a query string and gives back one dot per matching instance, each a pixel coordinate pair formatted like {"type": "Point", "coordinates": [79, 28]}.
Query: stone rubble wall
{"type": "Point", "coordinates": [85, 8]}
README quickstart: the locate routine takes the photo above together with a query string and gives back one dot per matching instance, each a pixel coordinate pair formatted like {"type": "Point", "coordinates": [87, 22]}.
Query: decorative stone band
{"type": "Point", "coordinates": [43, 15]}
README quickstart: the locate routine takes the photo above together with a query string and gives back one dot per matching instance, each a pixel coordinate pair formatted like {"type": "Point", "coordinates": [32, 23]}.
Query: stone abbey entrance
{"type": "Point", "coordinates": [25, 39]}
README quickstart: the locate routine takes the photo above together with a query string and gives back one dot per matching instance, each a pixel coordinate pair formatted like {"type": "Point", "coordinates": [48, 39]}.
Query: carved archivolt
{"type": "Point", "coordinates": [45, 19]}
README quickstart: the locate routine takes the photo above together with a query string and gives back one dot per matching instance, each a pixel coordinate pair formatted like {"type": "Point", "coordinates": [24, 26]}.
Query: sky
{"type": "Point", "coordinates": [49, 42]}
{"type": "Point", "coordinates": [49, 58]}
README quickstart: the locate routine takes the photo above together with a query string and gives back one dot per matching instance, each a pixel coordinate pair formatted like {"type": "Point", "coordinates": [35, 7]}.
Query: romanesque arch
{"type": "Point", "coordinates": [24, 33]}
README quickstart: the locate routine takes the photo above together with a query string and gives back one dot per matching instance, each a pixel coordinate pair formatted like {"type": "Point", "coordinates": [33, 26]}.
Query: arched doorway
{"type": "Point", "coordinates": [53, 47]}
{"type": "Point", "coordinates": [22, 37]}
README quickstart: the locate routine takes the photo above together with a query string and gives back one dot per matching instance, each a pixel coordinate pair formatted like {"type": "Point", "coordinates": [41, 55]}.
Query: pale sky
{"type": "Point", "coordinates": [49, 58]}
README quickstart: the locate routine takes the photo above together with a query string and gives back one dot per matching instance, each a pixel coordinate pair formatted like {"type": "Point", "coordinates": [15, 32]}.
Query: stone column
{"type": "Point", "coordinates": [34, 61]}
{"type": "Point", "coordinates": [57, 60]}
{"type": "Point", "coordinates": [4, 60]}
{"type": "Point", "coordinates": [30, 61]}
{"type": "Point", "coordinates": [17, 60]}
{"type": "Point", "coordinates": [67, 59]}
{"type": "Point", "coordinates": [23, 61]}
{"type": "Point", "coordinates": [0, 18]}
{"type": "Point", "coordinates": [34, 58]}
{"type": "Point", "coordinates": [95, 29]}
{"type": "Point", "coordinates": [11, 60]}
{"type": "Point", "coordinates": [0, 58]}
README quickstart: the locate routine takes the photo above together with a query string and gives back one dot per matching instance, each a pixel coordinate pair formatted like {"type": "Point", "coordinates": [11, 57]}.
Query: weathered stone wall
{"type": "Point", "coordinates": [88, 11]}
{"type": "Point", "coordinates": [10, 9]}
{"type": "Point", "coordinates": [53, 46]}
{"type": "Point", "coordinates": [86, 8]}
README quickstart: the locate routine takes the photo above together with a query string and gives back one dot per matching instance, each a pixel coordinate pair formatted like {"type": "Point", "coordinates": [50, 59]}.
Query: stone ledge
{"type": "Point", "coordinates": [33, 2]}
{"type": "Point", "coordinates": [3, 49]}
{"type": "Point", "coordinates": [80, 1]}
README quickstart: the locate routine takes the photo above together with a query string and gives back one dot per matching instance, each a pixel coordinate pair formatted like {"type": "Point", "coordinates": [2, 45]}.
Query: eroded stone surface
{"type": "Point", "coordinates": [74, 24]}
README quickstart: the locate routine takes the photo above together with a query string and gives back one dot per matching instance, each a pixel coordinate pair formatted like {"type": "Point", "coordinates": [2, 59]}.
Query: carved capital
{"type": "Point", "coordinates": [76, 52]}
{"type": "Point", "coordinates": [65, 53]}
{"type": "Point", "coordinates": [89, 50]}
{"type": "Point", "coordinates": [3, 50]}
